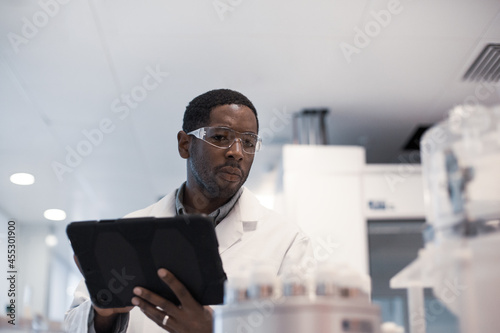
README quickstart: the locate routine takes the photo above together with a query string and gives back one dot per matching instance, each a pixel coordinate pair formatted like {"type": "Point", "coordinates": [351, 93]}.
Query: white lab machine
{"type": "Point", "coordinates": [393, 192]}
{"type": "Point", "coordinates": [323, 190]}
{"type": "Point", "coordinates": [460, 260]}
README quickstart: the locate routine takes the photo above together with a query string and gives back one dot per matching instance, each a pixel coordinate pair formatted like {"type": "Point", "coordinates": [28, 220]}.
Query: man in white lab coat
{"type": "Point", "coordinates": [219, 140]}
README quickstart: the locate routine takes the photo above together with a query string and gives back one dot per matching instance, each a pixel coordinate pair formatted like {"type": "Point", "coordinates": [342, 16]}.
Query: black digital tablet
{"type": "Point", "coordinates": [117, 255]}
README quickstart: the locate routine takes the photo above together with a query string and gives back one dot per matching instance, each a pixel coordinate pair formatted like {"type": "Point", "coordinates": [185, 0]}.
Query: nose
{"type": "Point", "coordinates": [236, 149]}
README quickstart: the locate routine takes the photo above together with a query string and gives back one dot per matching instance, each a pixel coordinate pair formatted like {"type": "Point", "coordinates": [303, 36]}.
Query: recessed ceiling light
{"type": "Point", "coordinates": [54, 214]}
{"type": "Point", "coordinates": [22, 178]}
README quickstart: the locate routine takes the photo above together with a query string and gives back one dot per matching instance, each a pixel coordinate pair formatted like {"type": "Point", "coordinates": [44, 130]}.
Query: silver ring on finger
{"type": "Point", "coordinates": [165, 320]}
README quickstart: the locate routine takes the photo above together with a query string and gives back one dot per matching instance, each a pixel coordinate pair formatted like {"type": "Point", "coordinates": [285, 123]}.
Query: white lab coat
{"type": "Point", "coordinates": [249, 234]}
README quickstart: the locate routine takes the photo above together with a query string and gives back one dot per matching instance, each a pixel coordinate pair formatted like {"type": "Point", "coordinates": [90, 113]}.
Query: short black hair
{"type": "Point", "coordinates": [197, 112]}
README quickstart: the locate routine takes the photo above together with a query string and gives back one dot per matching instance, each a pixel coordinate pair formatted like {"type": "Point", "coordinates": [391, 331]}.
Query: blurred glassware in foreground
{"type": "Point", "coordinates": [460, 163]}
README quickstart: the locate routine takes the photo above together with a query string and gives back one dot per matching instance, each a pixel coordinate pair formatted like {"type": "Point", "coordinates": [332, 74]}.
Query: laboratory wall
{"type": "Point", "coordinates": [45, 278]}
{"type": "Point", "coordinates": [3, 262]}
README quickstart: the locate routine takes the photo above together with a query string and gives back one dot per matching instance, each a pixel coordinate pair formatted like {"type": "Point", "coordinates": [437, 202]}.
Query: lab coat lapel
{"type": "Point", "coordinates": [165, 207]}
{"type": "Point", "coordinates": [231, 229]}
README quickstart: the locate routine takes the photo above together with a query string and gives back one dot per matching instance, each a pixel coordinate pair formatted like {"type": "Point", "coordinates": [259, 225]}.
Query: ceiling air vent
{"type": "Point", "coordinates": [486, 67]}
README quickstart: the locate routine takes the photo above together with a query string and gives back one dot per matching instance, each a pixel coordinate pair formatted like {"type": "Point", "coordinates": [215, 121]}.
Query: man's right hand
{"type": "Point", "coordinates": [104, 319]}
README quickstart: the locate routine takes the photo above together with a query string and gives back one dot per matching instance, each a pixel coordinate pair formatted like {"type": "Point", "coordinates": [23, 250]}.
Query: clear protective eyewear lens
{"type": "Point", "coordinates": [223, 137]}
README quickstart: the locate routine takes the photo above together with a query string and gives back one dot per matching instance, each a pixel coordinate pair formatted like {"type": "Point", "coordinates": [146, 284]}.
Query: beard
{"type": "Point", "coordinates": [207, 178]}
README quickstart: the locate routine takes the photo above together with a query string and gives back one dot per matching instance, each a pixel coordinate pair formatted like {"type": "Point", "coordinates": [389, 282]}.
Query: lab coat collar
{"type": "Point", "coordinates": [243, 216]}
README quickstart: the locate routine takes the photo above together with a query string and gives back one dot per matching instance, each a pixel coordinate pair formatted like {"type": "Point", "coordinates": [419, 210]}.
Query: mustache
{"type": "Point", "coordinates": [232, 164]}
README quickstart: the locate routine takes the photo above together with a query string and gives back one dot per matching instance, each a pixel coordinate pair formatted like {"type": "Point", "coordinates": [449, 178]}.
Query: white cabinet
{"type": "Point", "coordinates": [323, 193]}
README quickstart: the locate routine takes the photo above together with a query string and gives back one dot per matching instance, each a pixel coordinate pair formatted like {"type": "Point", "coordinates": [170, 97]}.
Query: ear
{"type": "Point", "coordinates": [183, 144]}
{"type": "Point", "coordinates": [77, 263]}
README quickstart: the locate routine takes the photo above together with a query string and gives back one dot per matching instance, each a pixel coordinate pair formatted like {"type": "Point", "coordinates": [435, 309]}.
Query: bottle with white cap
{"type": "Point", "coordinates": [326, 281]}
{"type": "Point", "coordinates": [262, 282]}
{"type": "Point", "coordinates": [342, 281]}
{"type": "Point", "coordinates": [236, 287]}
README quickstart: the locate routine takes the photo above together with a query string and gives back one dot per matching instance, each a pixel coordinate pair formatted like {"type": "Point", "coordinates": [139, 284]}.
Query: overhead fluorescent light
{"type": "Point", "coordinates": [22, 178]}
{"type": "Point", "coordinates": [54, 214]}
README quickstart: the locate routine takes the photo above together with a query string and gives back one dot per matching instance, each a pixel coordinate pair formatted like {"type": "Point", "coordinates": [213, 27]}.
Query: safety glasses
{"type": "Point", "coordinates": [224, 138]}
